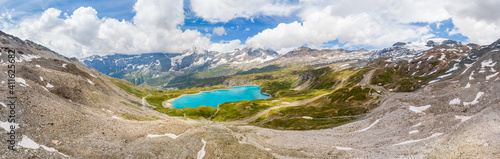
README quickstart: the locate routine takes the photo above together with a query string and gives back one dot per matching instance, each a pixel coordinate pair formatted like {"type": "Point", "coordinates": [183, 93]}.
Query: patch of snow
{"type": "Point", "coordinates": [463, 118]}
{"type": "Point", "coordinates": [370, 126]}
{"type": "Point", "coordinates": [92, 75]}
{"type": "Point", "coordinates": [471, 74]}
{"type": "Point", "coordinates": [307, 117]}
{"type": "Point", "coordinates": [37, 65]}
{"type": "Point", "coordinates": [475, 101]}
{"type": "Point", "coordinates": [416, 125]}
{"type": "Point", "coordinates": [488, 63]}
{"type": "Point", "coordinates": [90, 81]}
{"type": "Point", "coordinates": [467, 66]}
{"type": "Point", "coordinates": [173, 136]}
{"type": "Point", "coordinates": [50, 149]}
{"type": "Point", "coordinates": [431, 72]}
{"type": "Point", "coordinates": [413, 132]}
{"type": "Point", "coordinates": [455, 67]}
{"type": "Point", "coordinates": [41, 78]}
{"type": "Point", "coordinates": [491, 76]}
{"type": "Point", "coordinates": [26, 57]}
{"type": "Point", "coordinates": [442, 57]}
{"type": "Point", "coordinates": [434, 81]}
{"type": "Point", "coordinates": [49, 85]}
{"type": "Point", "coordinates": [45, 89]}
{"type": "Point", "coordinates": [420, 109]}
{"type": "Point", "coordinates": [344, 65]}
{"type": "Point", "coordinates": [468, 85]}
{"type": "Point", "coordinates": [413, 141]}
{"type": "Point", "coordinates": [343, 148]}
{"type": "Point", "coordinates": [6, 125]}
{"type": "Point", "coordinates": [455, 101]}
{"type": "Point", "coordinates": [115, 117]}
{"type": "Point", "coordinates": [430, 57]}
{"type": "Point", "coordinates": [267, 149]}
{"type": "Point", "coordinates": [64, 65]}
{"type": "Point", "coordinates": [3, 104]}
{"type": "Point", "coordinates": [21, 81]}
{"type": "Point", "coordinates": [3, 82]}
{"type": "Point", "coordinates": [201, 153]}
{"type": "Point", "coordinates": [28, 143]}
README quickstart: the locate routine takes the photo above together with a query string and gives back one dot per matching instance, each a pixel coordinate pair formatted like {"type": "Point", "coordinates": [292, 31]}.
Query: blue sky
{"type": "Point", "coordinates": [280, 25]}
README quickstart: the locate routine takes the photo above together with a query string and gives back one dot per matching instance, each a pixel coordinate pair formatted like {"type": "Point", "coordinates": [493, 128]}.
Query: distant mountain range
{"type": "Point", "coordinates": [159, 69]}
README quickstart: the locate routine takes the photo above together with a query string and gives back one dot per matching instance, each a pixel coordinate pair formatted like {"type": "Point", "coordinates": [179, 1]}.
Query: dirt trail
{"type": "Point", "coordinates": [367, 78]}
{"type": "Point", "coordinates": [144, 102]}
{"type": "Point", "coordinates": [261, 113]}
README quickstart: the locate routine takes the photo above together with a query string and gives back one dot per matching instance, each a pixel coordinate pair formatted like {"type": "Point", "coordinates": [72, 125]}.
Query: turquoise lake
{"type": "Point", "coordinates": [216, 97]}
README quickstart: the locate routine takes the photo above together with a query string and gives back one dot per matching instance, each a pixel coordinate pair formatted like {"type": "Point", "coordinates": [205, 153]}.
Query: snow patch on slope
{"type": "Point", "coordinates": [475, 101]}
{"type": "Point", "coordinates": [420, 109]}
{"type": "Point", "coordinates": [201, 153]}
{"type": "Point", "coordinates": [455, 101]}
{"type": "Point", "coordinates": [371, 125]}
{"type": "Point", "coordinates": [413, 141]}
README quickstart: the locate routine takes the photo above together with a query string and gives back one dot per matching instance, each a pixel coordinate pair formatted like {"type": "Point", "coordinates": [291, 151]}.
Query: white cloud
{"type": "Point", "coordinates": [478, 20]}
{"type": "Point", "coordinates": [154, 29]}
{"type": "Point", "coordinates": [226, 46]}
{"type": "Point", "coordinates": [165, 14]}
{"type": "Point", "coordinates": [323, 26]}
{"type": "Point", "coordinates": [225, 10]}
{"type": "Point", "coordinates": [219, 31]}
{"type": "Point", "coordinates": [379, 24]}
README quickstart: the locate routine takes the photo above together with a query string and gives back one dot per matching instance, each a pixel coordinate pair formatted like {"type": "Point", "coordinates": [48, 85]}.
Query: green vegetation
{"type": "Point", "coordinates": [272, 87]}
{"type": "Point", "coordinates": [220, 70]}
{"type": "Point", "coordinates": [129, 87]}
{"type": "Point", "coordinates": [305, 124]}
{"type": "Point", "coordinates": [130, 105]}
{"type": "Point", "coordinates": [270, 68]}
{"type": "Point", "coordinates": [238, 110]}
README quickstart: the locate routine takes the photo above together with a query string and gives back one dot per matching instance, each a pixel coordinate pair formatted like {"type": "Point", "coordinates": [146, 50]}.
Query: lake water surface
{"type": "Point", "coordinates": [216, 97]}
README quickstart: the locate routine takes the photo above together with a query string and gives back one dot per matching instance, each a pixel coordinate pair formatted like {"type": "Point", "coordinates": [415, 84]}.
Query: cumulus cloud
{"type": "Point", "coordinates": [324, 26]}
{"type": "Point", "coordinates": [225, 10]}
{"type": "Point", "coordinates": [226, 46]}
{"type": "Point", "coordinates": [154, 29]}
{"type": "Point", "coordinates": [478, 20]}
{"type": "Point", "coordinates": [379, 24]}
{"type": "Point", "coordinates": [219, 31]}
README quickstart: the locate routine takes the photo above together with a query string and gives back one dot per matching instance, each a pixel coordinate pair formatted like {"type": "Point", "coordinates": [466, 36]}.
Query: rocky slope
{"type": "Point", "coordinates": [401, 50]}
{"type": "Point", "coordinates": [454, 118]}
{"type": "Point", "coordinates": [432, 66]}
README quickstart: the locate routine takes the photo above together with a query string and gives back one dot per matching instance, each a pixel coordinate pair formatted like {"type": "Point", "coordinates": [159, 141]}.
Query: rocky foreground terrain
{"type": "Point", "coordinates": [65, 110]}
